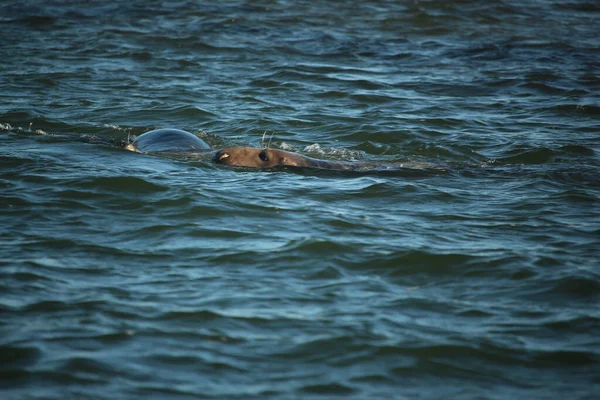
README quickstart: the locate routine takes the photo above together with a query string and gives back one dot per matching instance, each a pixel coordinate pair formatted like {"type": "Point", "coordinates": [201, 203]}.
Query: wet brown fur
{"type": "Point", "coordinates": [266, 158]}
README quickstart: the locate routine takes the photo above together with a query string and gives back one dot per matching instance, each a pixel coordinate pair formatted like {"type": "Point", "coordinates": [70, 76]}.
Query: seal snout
{"type": "Point", "coordinates": [220, 156]}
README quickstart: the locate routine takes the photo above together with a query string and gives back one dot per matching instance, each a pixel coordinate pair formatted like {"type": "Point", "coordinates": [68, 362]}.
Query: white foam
{"type": "Point", "coordinates": [333, 152]}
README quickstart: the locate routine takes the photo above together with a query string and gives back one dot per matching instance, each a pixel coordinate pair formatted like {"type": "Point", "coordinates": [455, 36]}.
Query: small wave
{"type": "Point", "coordinates": [411, 262]}
{"type": "Point", "coordinates": [574, 287]}
{"type": "Point", "coordinates": [190, 316]}
{"type": "Point", "coordinates": [121, 184]}
{"type": "Point", "coordinates": [30, 276]}
{"type": "Point", "coordinates": [578, 150]}
{"type": "Point", "coordinates": [35, 21]}
{"type": "Point", "coordinates": [29, 123]}
{"type": "Point", "coordinates": [580, 324]}
{"type": "Point", "coordinates": [183, 361]}
{"type": "Point", "coordinates": [544, 88]}
{"type": "Point", "coordinates": [582, 6]}
{"type": "Point", "coordinates": [528, 156]}
{"type": "Point", "coordinates": [590, 110]}
{"type": "Point", "coordinates": [47, 306]}
{"type": "Point", "coordinates": [330, 389]}
{"type": "Point", "coordinates": [582, 176]}
{"type": "Point", "coordinates": [567, 358]}
{"type": "Point", "coordinates": [91, 369]}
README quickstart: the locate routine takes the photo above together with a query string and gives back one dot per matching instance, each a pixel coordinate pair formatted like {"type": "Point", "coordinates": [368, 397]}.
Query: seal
{"type": "Point", "coordinates": [176, 140]}
{"type": "Point", "coordinates": [165, 141]}
{"type": "Point", "coordinates": [251, 157]}
{"type": "Point", "coordinates": [168, 140]}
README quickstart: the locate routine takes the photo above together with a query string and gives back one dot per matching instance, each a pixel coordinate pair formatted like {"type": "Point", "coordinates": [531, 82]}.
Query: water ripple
{"type": "Point", "coordinates": [461, 262]}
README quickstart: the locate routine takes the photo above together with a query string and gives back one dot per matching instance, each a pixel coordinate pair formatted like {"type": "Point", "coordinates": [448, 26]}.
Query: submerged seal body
{"type": "Point", "coordinates": [250, 157]}
{"type": "Point", "coordinates": [169, 140]}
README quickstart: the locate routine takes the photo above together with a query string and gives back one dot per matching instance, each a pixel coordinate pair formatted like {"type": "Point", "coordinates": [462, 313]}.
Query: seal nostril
{"type": "Point", "coordinates": [220, 156]}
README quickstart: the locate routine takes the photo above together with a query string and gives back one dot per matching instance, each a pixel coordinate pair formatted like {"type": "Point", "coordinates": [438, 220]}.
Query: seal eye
{"type": "Point", "coordinates": [263, 156]}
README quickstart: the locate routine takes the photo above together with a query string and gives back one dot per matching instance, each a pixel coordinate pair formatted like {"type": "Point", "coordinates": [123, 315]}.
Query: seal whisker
{"type": "Point", "coordinates": [271, 138]}
{"type": "Point", "coordinates": [262, 143]}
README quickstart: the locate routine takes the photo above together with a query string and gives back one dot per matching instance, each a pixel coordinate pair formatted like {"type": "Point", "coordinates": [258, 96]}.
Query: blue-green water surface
{"type": "Point", "coordinates": [134, 276]}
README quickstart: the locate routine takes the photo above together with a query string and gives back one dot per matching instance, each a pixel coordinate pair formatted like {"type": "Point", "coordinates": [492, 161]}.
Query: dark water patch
{"type": "Point", "coordinates": [583, 6]}
{"type": "Point", "coordinates": [37, 22]}
{"type": "Point", "coordinates": [79, 246]}
{"type": "Point", "coordinates": [76, 198]}
{"type": "Point", "coordinates": [474, 313]}
{"type": "Point", "coordinates": [143, 56]}
{"type": "Point", "coordinates": [59, 377]}
{"type": "Point", "coordinates": [13, 378]}
{"type": "Point", "coordinates": [196, 316]}
{"type": "Point", "coordinates": [88, 369]}
{"type": "Point", "coordinates": [112, 338]}
{"type": "Point", "coordinates": [541, 76]}
{"type": "Point", "coordinates": [573, 287]}
{"type": "Point", "coordinates": [570, 110]}
{"type": "Point", "coordinates": [413, 262]}
{"type": "Point", "coordinates": [287, 75]}
{"type": "Point", "coordinates": [55, 306]}
{"type": "Point", "coordinates": [568, 358]}
{"type": "Point", "coordinates": [175, 112]}
{"type": "Point", "coordinates": [590, 79]}
{"type": "Point", "coordinates": [528, 156]}
{"type": "Point", "coordinates": [29, 276]}
{"type": "Point", "coordinates": [546, 261]}
{"type": "Point", "coordinates": [484, 51]}
{"type": "Point", "coordinates": [330, 389]}
{"type": "Point", "coordinates": [373, 98]}
{"type": "Point", "coordinates": [146, 389]}
{"type": "Point", "coordinates": [218, 233]}
{"type": "Point", "coordinates": [324, 350]}
{"type": "Point", "coordinates": [15, 204]}
{"type": "Point", "coordinates": [332, 94]}
{"type": "Point", "coordinates": [122, 184]}
{"type": "Point", "coordinates": [525, 273]}
{"type": "Point", "coordinates": [326, 273]}
{"type": "Point", "coordinates": [578, 150]}
{"type": "Point", "coordinates": [184, 361]}
{"type": "Point", "coordinates": [463, 357]}
{"type": "Point", "coordinates": [295, 248]}
{"type": "Point", "coordinates": [468, 358]}
{"type": "Point", "coordinates": [575, 196]}
{"type": "Point", "coordinates": [580, 324]}
{"type": "Point", "coordinates": [18, 357]}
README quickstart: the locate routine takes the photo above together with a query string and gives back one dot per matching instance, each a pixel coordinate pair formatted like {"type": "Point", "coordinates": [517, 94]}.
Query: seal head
{"type": "Point", "coordinates": [260, 158]}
